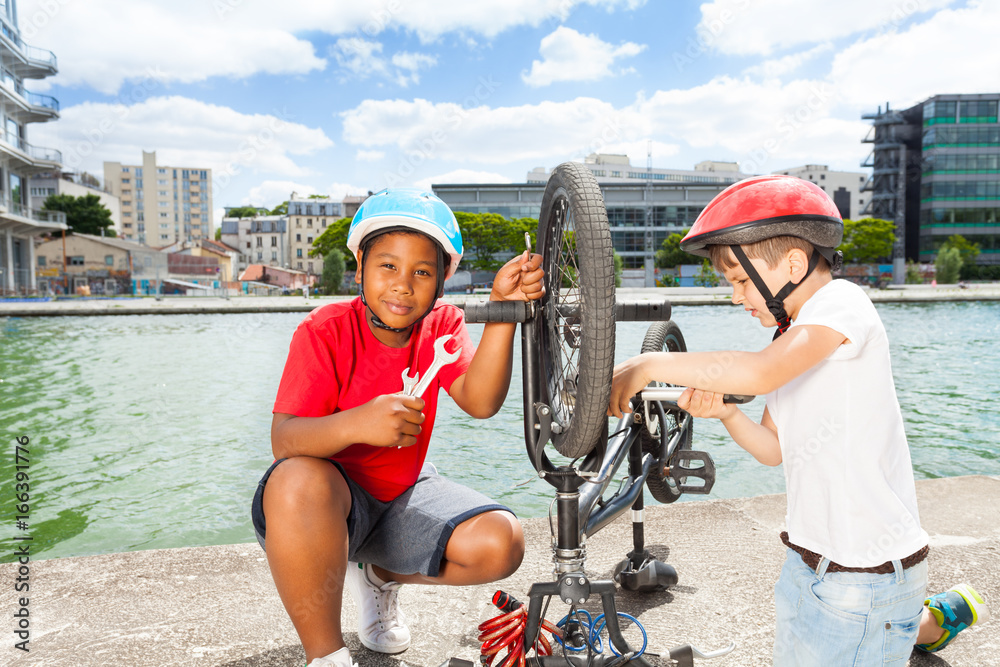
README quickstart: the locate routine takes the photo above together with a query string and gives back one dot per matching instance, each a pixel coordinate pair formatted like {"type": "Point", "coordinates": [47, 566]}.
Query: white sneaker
{"type": "Point", "coordinates": [381, 624]}
{"type": "Point", "coordinates": [339, 658]}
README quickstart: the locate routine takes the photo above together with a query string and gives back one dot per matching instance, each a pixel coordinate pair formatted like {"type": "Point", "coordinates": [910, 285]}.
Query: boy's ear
{"type": "Point", "coordinates": [357, 272]}
{"type": "Point", "coordinates": [798, 263]}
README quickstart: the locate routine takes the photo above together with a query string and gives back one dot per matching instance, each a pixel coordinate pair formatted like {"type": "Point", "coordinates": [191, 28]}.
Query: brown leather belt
{"type": "Point", "coordinates": [812, 559]}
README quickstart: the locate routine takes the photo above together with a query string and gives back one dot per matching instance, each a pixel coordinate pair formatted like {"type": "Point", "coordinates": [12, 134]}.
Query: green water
{"type": "Point", "coordinates": [152, 431]}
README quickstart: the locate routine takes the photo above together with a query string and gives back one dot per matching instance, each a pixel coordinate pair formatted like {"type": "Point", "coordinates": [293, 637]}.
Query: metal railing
{"type": "Point", "coordinates": [39, 100]}
{"type": "Point", "coordinates": [25, 211]}
{"type": "Point", "coordinates": [32, 54]}
{"type": "Point", "coordinates": [34, 152]}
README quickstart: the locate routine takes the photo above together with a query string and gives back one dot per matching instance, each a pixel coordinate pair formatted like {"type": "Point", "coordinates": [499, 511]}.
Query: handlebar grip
{"type": "Point", "coordinates": [642, 311]}
{"type": "Point", "coordinates": [496, 311]}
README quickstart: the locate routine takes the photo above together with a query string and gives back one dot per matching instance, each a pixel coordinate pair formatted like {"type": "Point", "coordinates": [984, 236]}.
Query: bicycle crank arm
{"type": "Point", "coordinates": [672, 394]}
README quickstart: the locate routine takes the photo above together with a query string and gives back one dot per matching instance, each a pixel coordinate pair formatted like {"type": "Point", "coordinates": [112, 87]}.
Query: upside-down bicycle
{"type": "Point", "coordinates": [568, 345]}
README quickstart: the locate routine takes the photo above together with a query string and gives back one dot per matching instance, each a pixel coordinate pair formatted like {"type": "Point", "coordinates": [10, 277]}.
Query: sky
{"type": "Point", "coordinates": [338, 97]}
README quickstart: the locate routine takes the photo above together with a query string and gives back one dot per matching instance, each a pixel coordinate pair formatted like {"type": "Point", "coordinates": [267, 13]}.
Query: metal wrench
{"type": "Point", "coordinates": [409, 383]}
{"type": "Point", "coordinates": [441, 358]}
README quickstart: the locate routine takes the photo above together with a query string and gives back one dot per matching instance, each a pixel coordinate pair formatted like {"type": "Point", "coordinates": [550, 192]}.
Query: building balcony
{"type": "Point", "coordinates": [23, 106]}
{"type": "Point", "coordinates": [26, 61]}
{"type": "Point", "coordinates": [22, 219]}
{"type": "Point", "coordinates": [25, 158]}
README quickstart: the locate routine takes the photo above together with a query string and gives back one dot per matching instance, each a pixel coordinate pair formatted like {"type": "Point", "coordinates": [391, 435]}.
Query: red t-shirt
{"type": "Point", "coordinates": [335, 363]}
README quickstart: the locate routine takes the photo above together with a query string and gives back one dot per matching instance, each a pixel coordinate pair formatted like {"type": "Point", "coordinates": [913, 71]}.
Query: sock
{"type": "Point", "coordinates": [372, 577]}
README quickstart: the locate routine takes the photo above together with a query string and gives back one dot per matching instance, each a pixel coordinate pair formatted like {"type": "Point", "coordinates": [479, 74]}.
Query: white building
{"type": "Point", "coordinates": [42, 186]}
{"type": "Point", "coordinates": [613, 169]}
{"type": "Point", "coordinates": [307, 219]}
{"type": "Point", "coordinates": [161, 205]}
{"type": "Point", "coordinates": [844, 187]}
{"type": "Point", "coordinates": [19, 160]}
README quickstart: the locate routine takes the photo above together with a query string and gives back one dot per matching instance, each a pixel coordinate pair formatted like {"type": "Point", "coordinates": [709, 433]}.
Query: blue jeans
{"type": "Point", "coordinates": [836, 619]}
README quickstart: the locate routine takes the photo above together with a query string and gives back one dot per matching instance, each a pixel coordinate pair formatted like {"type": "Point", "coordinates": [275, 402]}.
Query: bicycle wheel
{"type": "Point", "coordinates": [666, 337]}
{"type": "Point", "coordinates": [577, 329]}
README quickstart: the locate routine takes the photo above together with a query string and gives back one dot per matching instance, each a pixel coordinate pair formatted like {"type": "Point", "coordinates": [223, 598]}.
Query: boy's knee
{"type": "Point", "coordinates": [505, 545]}
{"type": "Point", "coordinates": [303, 481]}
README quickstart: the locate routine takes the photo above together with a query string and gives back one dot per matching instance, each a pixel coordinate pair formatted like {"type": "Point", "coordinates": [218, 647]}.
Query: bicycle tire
{"type": "Point", "coordinates": [665, 337]}
{"type": "Point", "coordinates": [577, 330]}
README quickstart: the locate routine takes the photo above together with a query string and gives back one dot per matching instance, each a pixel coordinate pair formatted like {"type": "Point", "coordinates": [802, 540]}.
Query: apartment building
{"type": "Point", "coordinates": [20, 224]}
{"type": "Point", "coordinates": [307, 219]}
{"type": "Point", "coordinates": [42, 186]}
{"type": "Point", "coordinates": [161, 205]}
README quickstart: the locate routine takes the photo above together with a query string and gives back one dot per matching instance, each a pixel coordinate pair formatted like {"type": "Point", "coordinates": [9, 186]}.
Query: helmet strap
{"type": "Point", "coordinates": [776, 303]}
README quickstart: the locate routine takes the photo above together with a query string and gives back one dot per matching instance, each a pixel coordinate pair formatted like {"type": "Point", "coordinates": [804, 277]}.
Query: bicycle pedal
{"type": "Point", "coordinates": [653, 575]}
{"type": "Point", "coordinates": [683, 471]}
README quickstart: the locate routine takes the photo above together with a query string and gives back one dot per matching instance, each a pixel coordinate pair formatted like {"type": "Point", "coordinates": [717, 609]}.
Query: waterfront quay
{"type": "Point", "coordinates": [182, 305]}
{"type": "Point", "coordinates": [218, 605]}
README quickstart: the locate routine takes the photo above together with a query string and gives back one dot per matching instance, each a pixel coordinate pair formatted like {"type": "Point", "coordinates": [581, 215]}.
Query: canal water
{"type": "Point", "coordinates": [152, 431]}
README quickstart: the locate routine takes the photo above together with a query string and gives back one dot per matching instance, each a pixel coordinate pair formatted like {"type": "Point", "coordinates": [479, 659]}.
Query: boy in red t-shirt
{"type": "Point", "coordinates": [350, 494]}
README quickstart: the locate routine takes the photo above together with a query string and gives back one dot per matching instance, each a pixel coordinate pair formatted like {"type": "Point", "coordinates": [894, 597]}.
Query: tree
{"type": "Point", "coordinates": [867, 240]}
{"type": "Point", "coordinates": [670, 254]}
{"type": "Point", "coordinates": [84, 215]}
{"type": "Point", "coordinates": [619, 268]}
{"type": "Point", "coordinates": [706, 275]}
{"type": "Point", "coordinates": [333, 272]}
{"type": "Point", "coordinates": [948, 264]}
{"type": "Point", "coordinates": [334, 238]}
{"type": "Point", "coordinates": [489, 239]}
{"type": "Point", "coordinates": [218, 233]}
{"type": "Point", "coordinates": [280, 209]}
{"type": "Point", "coordinates": [967, 250]}
{"type": "Point", "coordinates": [89, 180]}
{"type": "Point", "coordinates": [913, 275]}
{"type": "Point", "coordinates": [243, 212]}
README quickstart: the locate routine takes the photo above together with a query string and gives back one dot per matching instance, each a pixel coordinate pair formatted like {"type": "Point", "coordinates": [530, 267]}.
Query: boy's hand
{"type": "Point", "coordinates": [708, 404]}
{"type": "Point", "coordinates": [394, 420]}
{"type": "Point", "coordinates": [630, 377]}
{"type": "Point", "coordinates": [520, 279]}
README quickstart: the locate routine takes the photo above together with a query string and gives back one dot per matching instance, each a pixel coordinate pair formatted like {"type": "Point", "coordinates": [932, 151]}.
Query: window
{"type": "Point", "coordinates": [260, 257]}
{"type": "Point", "coordinates": [41, 260]}
{"type": "Point", "coordinates": [274, 256]}
{"type": "Point", "coordinates": [298, 237]}
{"type": "Point", "coordinates": [299, 265]}
{"type": "Point", "coordinates": [165, 237]}
{"type": "Point", "coordinates": [274, 241]}
{"type": "Point", "coordinates": [310, 267]}
{"type": "Point", "coordinates": [260, 241]}
{"type": "Point", "coordinates": [127, 225]}
{"type": "Point", "coordinates": [164, 204]}
{"type": "Point", "coordinates": [822, 177]}
{"type": "Point", "coordinates": [309, 222]}
{"type": "Point", "coordinates": [163, 193]}
{"type": "Point", "coordinates": [109, 260]}
{"type": "Point", "coordinates": [298, 253]}
{"type": "Point", "coordinates": [165, 215]}
{"type": "Point", "coordinates": [248, 244]}
{"type": "Point", "coordinates": [161, 171]}
{"type": "Point", "coordinates": [76, 260]}
{"type": "Point", "coordinates": [124, 170]}
{"type": "Point", "coordinates": [310, 240]}
{"type": "Point", "coordinates": [126, 192]}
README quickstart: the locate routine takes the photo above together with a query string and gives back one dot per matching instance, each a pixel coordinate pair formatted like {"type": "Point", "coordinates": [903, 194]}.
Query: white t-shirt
{"type": "Point", "coordinates": [847, 467]}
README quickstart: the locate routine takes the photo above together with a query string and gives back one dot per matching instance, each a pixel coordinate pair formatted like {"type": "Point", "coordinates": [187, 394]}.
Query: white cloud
{"type": "Point", "coordinates": [184, 133]}
{"type": "Point", "coordinates": [410, 64]}
{"type": "Point", "coordinates": [425, 130]}
{"type": "Point", "coordinates": [369, 156]}
{"type": "Point", "coordinates": [339, 190]}
{"type": "Point", "coordinates": [461, 176]}
{"type": "Point", "coordinates": [929, 58]}
{"type": "Point", "coordinates": [104, 43]}
{"type": "Point", "coordinates": [360, 57]}
{"type": "Point", "coordinates": [742, 27]}
{"type": "Point", "coordinates": [571, 56]}
{"type": "Point", "coordinates": [271, 193]}
{"type": "Point", "coordinates": [778, 67]}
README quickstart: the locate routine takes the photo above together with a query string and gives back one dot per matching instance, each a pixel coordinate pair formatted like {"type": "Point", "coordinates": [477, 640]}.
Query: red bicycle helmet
{"type": "Point", "coordinates": [763, 207]}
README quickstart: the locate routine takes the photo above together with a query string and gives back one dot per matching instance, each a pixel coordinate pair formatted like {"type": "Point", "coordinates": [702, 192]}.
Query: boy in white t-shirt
{"type": "Point", "coordinates": [852, 590]}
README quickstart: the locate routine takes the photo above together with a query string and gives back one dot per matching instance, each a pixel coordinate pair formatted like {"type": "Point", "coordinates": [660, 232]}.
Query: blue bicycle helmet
{"type": "Point", "coordinates": [411, 209]}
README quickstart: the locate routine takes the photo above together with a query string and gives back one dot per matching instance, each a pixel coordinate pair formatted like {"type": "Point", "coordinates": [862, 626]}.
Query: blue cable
{"type": "Point", "coordinates": [592, 629]}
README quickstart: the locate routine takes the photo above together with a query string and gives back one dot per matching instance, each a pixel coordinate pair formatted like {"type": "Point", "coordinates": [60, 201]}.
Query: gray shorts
{"type": "Point", "coordinates": [405, 535]}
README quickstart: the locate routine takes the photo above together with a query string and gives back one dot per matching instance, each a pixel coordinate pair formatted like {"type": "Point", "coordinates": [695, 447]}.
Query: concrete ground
{"type": "Point", "coordinates": [218, 606]}
{"type": "Point", "coordinates": [691, 296]}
